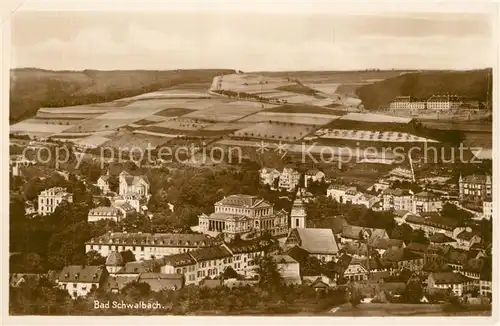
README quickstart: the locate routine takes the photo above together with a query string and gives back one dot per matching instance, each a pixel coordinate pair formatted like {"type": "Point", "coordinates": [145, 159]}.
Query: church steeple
{"type": "Point", "coordinates": [298, 214]}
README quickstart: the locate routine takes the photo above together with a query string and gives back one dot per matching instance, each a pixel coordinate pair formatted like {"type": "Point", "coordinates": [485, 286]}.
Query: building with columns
{"type": "Point", "coordinates": [243, 214]}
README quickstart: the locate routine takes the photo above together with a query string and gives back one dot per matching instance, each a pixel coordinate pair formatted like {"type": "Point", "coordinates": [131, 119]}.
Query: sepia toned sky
{"type": "Point", "coordinates": [250, 41]}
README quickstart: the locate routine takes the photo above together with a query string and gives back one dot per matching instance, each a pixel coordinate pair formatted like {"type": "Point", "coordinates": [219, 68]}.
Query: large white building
{"type": "Point", "coordinates": [147, 245]}
{"type": "Point", "coordinates": [49, 199]}
{"type": "Point", "coordinates": [102, 213]}
{"type": "Point", "coordinates": [444, 102]}
{"type": "Point", "coordinates": [344, 194]}
{"type": "Point", "coordinates": [407, 103]}
{"type": "Point", "coordinates": [397, 199]}
{"type": "Point", "coordinates": [426, 202]}
{"type": "Point", "coordinates": [243, 214]}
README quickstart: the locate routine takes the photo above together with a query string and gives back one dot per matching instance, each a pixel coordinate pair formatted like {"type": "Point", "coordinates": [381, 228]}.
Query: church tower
{"type": "Point", "coordinates": [298, 214]}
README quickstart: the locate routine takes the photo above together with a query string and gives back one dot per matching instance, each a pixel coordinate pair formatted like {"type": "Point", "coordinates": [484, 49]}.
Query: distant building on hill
{"type": "Point", "coordinates": [407, 103]}
{"type": "Point", "coordinates": [444, 102]}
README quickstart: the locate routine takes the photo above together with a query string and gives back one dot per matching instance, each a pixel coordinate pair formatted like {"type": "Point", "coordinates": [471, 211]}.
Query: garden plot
{"type": "Point", "coordinates": [38, 126]}
{"type": "Point", "coordinates": [297, 118]}
{"type": "Point", "coordinates": [370, 117]}
{"type": "Point", "coordinates": [224, 112]}
{"type": "Point", "coordinates": [228, 126]}
{"type": "Point", "coordinates": [170, 112]}
{"type": "Point", "coordinates": [182, 124]}
{"type": "Point", "coordinates": [99, 124]}
{"type": "Point", "coordinates": [127, 140]}
{"type": "Point", "coordinates": [275, 130]}
{"type": "Point", "coordinates": [366, 135]}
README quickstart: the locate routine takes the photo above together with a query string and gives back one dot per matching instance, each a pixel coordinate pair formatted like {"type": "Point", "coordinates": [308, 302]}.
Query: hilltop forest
{"type": "Point", "coordinates": [475, 84]}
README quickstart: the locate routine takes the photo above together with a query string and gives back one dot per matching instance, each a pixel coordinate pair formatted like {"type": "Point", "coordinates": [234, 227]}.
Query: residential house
{"type": "Point", "coordinates": [357, 233]}
{"type": "Point", "coordinates": [162, 281]}
{"type": "Point", "coordinates": [351, 195]}
{"type": "Point", "coordinates": [381, 245]}
{"type": "Point", "coordinates": [488, 208]}
{"type": "Point", "coordinates": [125, 209]}
{"type": "Point", "coordinates": [319, 243]}
{"type": "Point", "coordinates": [475, 187]}
{"type": "Point", "coordinates": [102, 213]}
{"type": "Point", "coordinates": [289, 179]}
{"type": "Point", "coordinates": [397, 199]}
{"type": "Point", "coordinates": [403, 258]}
{"type": "Point", "coordinates": [485, 280]}
{"type": "Point", "coordinates": [313, 175]}
{"type": "Point", "coordinates": [133, 185]}
{"type": "Point", "coordinates": [147, 245]}
{"type": "Point", "coordinates": [49, 199]}
{"type": "Point", "coordinates": [473, 269]}
{"type": "Point", "coordinates": [467, 238]}
{"type": "Point", "coordinates": [116, 283]}
{"type": "Point", "coordinates": [456, 282]}
{"type": "Point", "coordinates": [425, 202]}
{"type": "Point", "coordinates": [244, 254]}
{"type": "Point", "coordinates": [103, 183]}
{"type": "Point", "coordinates": [269, 176]}
{"type": "Point", "coordinates": [243, 214]}
{"type": "Point", "coordinates": [288, 268]}
{"type": "Point", "coordinates": [79, 280]}
{"type": "Point", "coordinates": [442, 239]}
{"type": "Point", "coordinates": [435, 224]}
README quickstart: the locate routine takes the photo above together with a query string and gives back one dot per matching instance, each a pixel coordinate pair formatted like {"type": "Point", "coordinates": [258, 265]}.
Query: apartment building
{"type": "Point", "coordinates": [148, 245]}
{"type": "Point", "coordinates": [49, 199]}
{"type": "Point", "coordinates": [102, 213]}
{"type": "Point", "coordinates": [475, 187]}
{"type": "Point", "coordinates": [454, 281]}
{"type": "Point", "coordinates": [133, 185]}
{"type": "Point", "coordinates": [488, 208]}
{"type": "Point", "coordinates": [289, 179]}
{"type": "Point", "coordinates": [426, 202]}
{"type": "Point", "coordinates": [350, 195]}
{"type": "Point", "coordinates": [397, 199]}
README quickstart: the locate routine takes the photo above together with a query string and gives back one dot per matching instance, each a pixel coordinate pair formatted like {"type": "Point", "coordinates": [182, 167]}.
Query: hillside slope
{"type": "Point", "coordinates": [475, 83]}
{"type": "Point", "coordinates": [34, 88]}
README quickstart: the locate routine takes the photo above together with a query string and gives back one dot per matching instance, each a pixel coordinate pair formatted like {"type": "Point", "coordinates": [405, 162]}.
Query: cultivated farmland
{"type": "Point", "coordinates": [275, 130]}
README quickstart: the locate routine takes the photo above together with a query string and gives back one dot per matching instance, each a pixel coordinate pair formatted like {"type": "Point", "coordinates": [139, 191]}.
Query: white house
{"type": "Point", "coordinates": [101, 213]}
{"type": "Point", "coordinates": [289, 179]}
{"type": "Point", "coordinates": [313, 175]}
{"type": "Point", "coordinates": [103, 183]}
{"type": "Point", "coordinates": [133, 185]}
{"type": "Point", "coordinates": [487, 209]}
{"type": "Point", "coordinates": [455, 281]}
{"type": "Point", "coordinates": [78, 280]}
{"type": "Point", "coordinates": [268, 176]}
{"type": "Point", "coordinates": [49, 199]}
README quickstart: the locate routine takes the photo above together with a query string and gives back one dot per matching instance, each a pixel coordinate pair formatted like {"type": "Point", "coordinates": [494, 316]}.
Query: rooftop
{"type": "Point", "coordinates": [449, 278]}
{"type": "Point", "coordinates": [211, 253]}
{"type": "Point", "coordinates": [317, 241]}
{"type": "Point", "coordinates": [154, 239]}
{"type": "Point", "coordinates": [81, 274]}
{"type": "Point", "coordinates": [240, 200]}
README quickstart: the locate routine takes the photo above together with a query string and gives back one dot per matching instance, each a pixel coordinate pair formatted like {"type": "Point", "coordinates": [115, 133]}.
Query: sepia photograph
{"type": "Point", "coordinates": [258, 160]}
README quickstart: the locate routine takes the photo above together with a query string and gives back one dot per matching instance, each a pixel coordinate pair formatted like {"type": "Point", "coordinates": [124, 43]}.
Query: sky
{"type": "Point", "coordinates": [251, 41]}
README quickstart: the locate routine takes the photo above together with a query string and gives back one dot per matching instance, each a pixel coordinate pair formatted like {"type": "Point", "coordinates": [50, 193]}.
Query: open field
{"type": "Point", "coordinates": [297, 118]}
{"type": "Point", "coordinates": [224, 112]}
{"type": "Point", "coordinates": [173, 112]}
{"type": "Point", "coordinates": [182, 124]}
{"type": "Point", "coordinates": [367, 135]}
{"type": "Point", "coordinates": [38, 126]}
{"type": "Point", "coordinates": [276, 130]}
{"type": "Point", "coordinates": [34, 88]}
{"type": "Point", "coordinates": [99, 124]}
{"type": "Point", "coordinates": [309, 109]}
{"type": "Point", "coordinates": [125, 139]}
